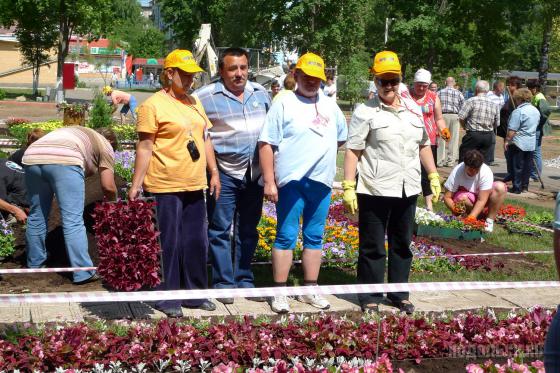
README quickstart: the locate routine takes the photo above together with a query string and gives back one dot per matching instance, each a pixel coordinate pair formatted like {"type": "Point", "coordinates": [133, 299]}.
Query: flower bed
{"type": "Point", "coordinates": [512, 366]}
{"type": "Point", "coordinates": [323, 340]}
{"type": "Point", "coordinates": [7, 240]}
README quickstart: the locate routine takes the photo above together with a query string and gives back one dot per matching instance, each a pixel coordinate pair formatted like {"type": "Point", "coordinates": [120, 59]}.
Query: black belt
{"type": "Point", "coordinates": [480, 131]}
{"type": "Point", "coordinates": [449, 112]}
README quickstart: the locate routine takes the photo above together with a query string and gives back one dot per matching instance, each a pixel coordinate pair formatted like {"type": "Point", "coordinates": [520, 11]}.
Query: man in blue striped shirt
{"type": "Point", "coordinates": [237, 109]}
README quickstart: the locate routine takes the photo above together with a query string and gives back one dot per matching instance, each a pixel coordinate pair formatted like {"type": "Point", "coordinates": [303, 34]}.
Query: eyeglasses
{"type": "Point", "coordinates": [392, 82]}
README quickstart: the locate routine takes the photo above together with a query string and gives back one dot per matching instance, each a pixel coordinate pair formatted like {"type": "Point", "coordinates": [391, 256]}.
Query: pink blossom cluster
{"type": "Point", "coordinates": [510, 367]}
{"type": "Point", "coordinates": [241, 342]}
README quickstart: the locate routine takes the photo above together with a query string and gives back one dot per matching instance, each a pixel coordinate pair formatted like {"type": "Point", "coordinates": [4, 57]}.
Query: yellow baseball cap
{"type": "Point", "coordinates": [386, 62]}
{"type": "Point", "coordinates": [182, 59]}
{"type": "Point", "coordinates": [107, 89]}
{"type": "Point", "coordinates": [312, 65]}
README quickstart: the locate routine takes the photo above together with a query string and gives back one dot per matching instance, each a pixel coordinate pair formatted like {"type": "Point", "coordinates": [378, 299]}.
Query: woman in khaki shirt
{"type": "Point", "coordinates": [387, 141]}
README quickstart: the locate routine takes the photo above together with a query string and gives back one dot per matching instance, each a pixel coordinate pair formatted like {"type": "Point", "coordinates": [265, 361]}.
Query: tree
{"type": "Point", "coordinates": [35, 39]}
{"type": "Point", "coordinates": [151, 43]}
{"type": "Point", "coordinates": [90, 18]}
{"type": "Point", "coordinates": [550, 10]}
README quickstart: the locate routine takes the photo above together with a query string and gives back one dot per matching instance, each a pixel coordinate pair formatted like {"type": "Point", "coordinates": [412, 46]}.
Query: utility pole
{"type": "Point", "coordinates": [387, 23]}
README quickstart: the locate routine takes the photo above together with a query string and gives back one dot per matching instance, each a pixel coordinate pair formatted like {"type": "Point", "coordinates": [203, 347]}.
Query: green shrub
{"type": "Point", "coordinates": [354, 74]}
{"type": "Point", "coordinates": [125, 132]}
{"type": "Point", "coordinates": [81, 84]}
{"type": "Point", "coordinates": [2, 94]}
{"type": "Point", "coordinates": [19, 131]}
{"type": "Point", "coordinates": [101, 113]}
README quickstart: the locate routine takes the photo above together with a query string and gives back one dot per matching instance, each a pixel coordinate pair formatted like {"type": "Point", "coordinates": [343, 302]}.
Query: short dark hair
{"type": "Point", "coordinates": [473, 158]}
{"type": "Point", "coordinates": [275, 84]}
{"type": "Point", "coordinates": [514, 80]}
{"type": "Point", "coordinates": [110, 135]}
{"type": "Point", "coordinates": [233, 51]}
{"type": "Point", "coordinates": [533, 83]}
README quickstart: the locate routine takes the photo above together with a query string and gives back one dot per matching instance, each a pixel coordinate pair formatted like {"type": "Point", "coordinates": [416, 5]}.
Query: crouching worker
{"type": "Point", "coordinates": [57, 164]}
{"type": "Point", "coordinates": [471, 190]}
{"type": "Point", "coordinates": [13, 199]}
{"type": "Point", "coordinates": [127, 101]}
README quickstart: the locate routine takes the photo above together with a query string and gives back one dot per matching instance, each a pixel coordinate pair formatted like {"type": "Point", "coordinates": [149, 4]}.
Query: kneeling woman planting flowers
{"type": "Point", "coordinates": [172, 155]}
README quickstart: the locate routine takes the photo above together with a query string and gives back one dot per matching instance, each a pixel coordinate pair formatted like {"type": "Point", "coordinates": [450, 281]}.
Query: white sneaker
{"type": "Point", "coordinates": [280, 304]}
{"type": "Point", "coordinates": [315, 300]}
{"type": "Point", "coordinates": [489, 226]}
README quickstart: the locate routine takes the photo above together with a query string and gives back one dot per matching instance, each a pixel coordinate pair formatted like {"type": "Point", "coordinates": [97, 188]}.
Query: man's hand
{"type": "Point", "coordinates": [20, 215]}
{"type": "Point", "coordinates": [271, 191]}
{"type": "Point", "coordinates": [133, 193]}
{"type": "Point", "coordinates": [445, 134]}
{"type": "Point", "coordinates": [435, 185]}
{"type": "Point", "coordinates": [349, 198]}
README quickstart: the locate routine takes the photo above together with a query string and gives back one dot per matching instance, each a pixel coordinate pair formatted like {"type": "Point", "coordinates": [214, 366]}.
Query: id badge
{"type": "Point", "coordinates": [319, 125]}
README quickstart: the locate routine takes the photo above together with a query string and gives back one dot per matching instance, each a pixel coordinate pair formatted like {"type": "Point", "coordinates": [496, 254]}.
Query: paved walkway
{"type": "Point", "coordinates": [425, 302]}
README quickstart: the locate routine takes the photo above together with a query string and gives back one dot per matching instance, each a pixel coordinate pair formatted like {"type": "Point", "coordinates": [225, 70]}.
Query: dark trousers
{"type": "Point", "coordinates": [426, 190]}
{"type": "Point", "coordinates": [184, 243]}
{"type": "Point", "coordinates": [552, 345]}
{"type": "Point", "coordinates": [396, 217]}
{"type": "Point", "coordinates": [478, 140]}
{"type": "Point", "coordinates": [521, 162]}
{"type": "Point", "coordinates": [492, 149]}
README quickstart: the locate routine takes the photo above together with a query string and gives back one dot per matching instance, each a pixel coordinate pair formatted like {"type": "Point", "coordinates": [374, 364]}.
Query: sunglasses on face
{"type": "Point", "coordinates": [391, 82]}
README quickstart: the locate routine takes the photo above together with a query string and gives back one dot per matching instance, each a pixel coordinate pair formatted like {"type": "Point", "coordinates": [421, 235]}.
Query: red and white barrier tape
{"type": "Point", "coordinates": [84, 297]}
{"type": "Point", "coordinates": [7, 271]}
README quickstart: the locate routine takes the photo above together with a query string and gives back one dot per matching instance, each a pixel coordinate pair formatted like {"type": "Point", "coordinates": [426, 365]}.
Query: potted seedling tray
{"type": "Point", "coordinates": [446, 232]}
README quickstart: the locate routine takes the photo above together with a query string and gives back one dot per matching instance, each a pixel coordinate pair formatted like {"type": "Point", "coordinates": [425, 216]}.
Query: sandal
{"type": "Point", "coordinates": [370, 307]}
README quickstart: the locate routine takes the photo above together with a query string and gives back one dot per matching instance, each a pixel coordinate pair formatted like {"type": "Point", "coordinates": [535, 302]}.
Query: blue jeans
{"type": "Point", "coordinates": [67, 183]}
{"type": "Point", "coordinates": [552, 345]}
{"type": "Point", "coordinates": [240, 204]}
{"type": "Point", "coordinates": [537, 156]}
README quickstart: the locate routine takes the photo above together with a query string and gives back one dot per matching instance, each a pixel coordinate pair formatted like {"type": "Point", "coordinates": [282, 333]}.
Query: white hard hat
{"type": "Point", "coordinates": [423, 76]}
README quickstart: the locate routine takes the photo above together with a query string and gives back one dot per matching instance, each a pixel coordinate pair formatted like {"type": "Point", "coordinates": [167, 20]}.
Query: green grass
{"type": "Point", "coordinates": [12, 93]}
{"type": "Point", "coordinates": [339, 166]}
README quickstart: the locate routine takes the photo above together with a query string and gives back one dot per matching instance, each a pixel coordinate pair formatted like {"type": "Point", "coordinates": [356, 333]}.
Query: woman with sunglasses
{"type": "Point", "coordinates": [387, 141]}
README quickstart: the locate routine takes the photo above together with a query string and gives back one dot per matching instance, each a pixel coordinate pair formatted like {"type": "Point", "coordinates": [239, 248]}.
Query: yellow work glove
{"type": "Point", "coordinates": [349, 197]}
{"type": "Point", "coordinates": [435, 185]}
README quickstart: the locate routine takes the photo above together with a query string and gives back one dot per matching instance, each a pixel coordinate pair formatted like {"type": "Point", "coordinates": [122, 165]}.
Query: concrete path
{"type": "Point", "coordinates": [425, 302]}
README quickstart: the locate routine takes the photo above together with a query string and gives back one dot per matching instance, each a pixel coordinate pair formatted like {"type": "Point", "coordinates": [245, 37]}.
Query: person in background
{"type": "Point", "coordinates": [274, 89]}
{"type": "Point", "coordinates": [151, 79]}
{"type": "Point", "coordinates": [433, 87]}
{"type": "Point", "coordinates": [289, 87]}
{"type": "Point", "coordinates": [497, 96]}
{"type": "Point", "coordinates": [173, 155]}
{"type": "Point", "coordinates": [32, 136]}
{"type": "Point", "coordinates": [387, 141]}
{"type": "Point", "coordinates": [127, 101]}
{"type": "Point", "coordinates": [451, 102]}
{"type": "Point", "coordinates": [479, 116]}
{"type": "Point", "coordinates": [297, 147]}
{"type": "Point", "coordinates": [513, 83]}
{"type": "Point", "coordinates": [552, 343]}
{"type": "Point", "coordinates": [330, 87]}
{"type": "Point", "coordinates": [433, 120]}
{"type": "Point", "coordinates": [13, 195]}
{"type": "Point", "coordinates": [540, 102]}
{"type": "Point", "coordinates": [521, 138]}
{"type": "Point", "coordinates": [471, 190]}
{"type": "Point", "coordinates": [237, 109]}
{"type": "Point", "coordinates": [290, 73]}
{"type": "Point", "coordinates": [57, 165]}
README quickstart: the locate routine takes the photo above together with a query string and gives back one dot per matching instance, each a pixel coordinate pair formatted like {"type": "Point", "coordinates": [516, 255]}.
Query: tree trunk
{"type": "Point", "coordinates": [36, 68]}
{"type": "Point", "coordinates": [547, 36]}
{"type": "Point", "coordinates": [63, 38]}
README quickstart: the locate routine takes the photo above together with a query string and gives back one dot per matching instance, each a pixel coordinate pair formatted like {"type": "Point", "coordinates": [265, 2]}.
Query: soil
{"type": "Point", "coordinates": [512, 263]}
{"type": "Point", "coordinates": [57, 257]}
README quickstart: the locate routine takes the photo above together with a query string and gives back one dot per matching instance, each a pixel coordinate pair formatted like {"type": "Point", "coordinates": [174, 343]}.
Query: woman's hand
{"type": "Point", "coordinates": [215, 186]}
{"type": "Point", "coordinates": [133, 193]}
{"type": "Point", "coordinates": [271, 191]}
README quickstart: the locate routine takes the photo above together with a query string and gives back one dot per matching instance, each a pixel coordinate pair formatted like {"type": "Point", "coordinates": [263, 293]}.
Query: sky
{"type": "Point", "coordinates": [144, 2]}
